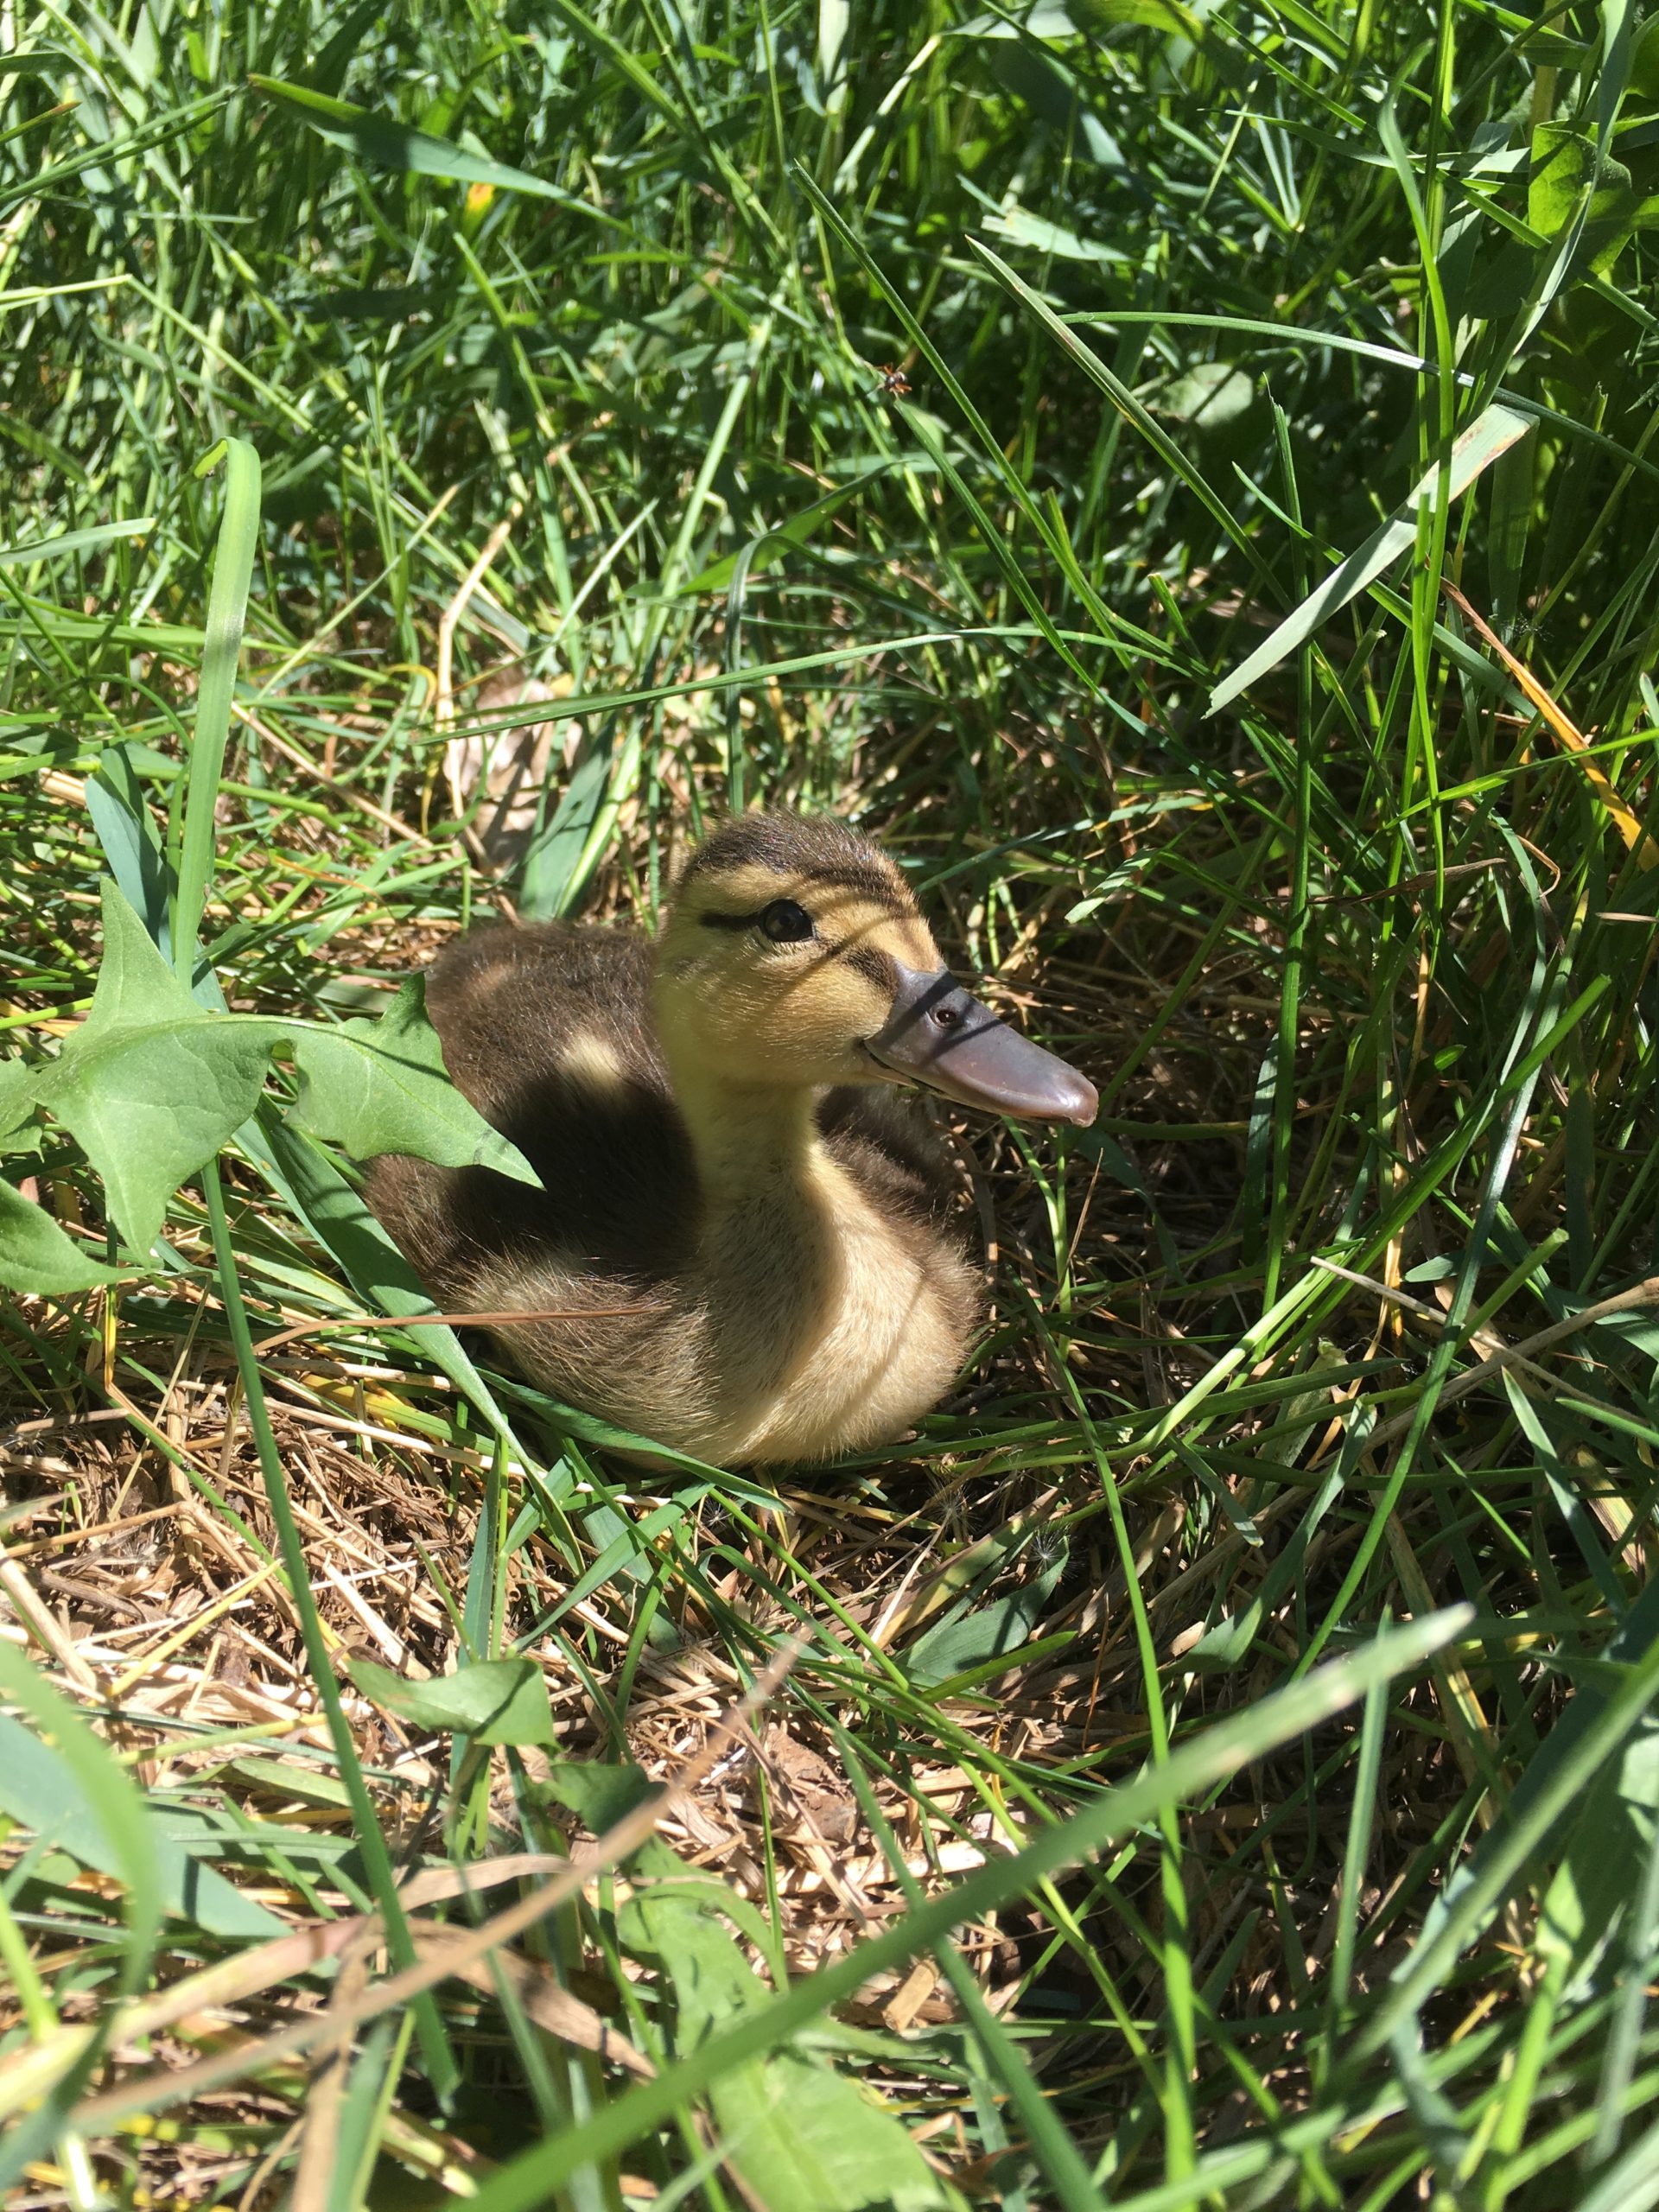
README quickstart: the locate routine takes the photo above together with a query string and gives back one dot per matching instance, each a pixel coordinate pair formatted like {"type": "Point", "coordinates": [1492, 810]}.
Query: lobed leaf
{"type": "Point", "coordinates": [801, 2136]}
{"type": "Point", "coordinates": [492, 1701]}
{"type": "Point", "coordinates": [378, 1086]}
{"type": "Point", "coordinates": [153, 1085]}
{"type": "Point", "coordinates": [37, 1254]}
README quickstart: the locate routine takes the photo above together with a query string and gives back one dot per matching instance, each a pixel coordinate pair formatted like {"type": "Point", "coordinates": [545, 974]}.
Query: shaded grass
{"type": "Point", "coordinates": [1363, 965]}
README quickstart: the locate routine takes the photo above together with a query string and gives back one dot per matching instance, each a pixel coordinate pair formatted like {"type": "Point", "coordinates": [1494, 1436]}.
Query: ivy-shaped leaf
{"type": "Point", "coordinates": [1563, 162]}
{"type": "Point", "coordinates": [153, 1084]}
{"type": "Point", "coordinates": [803, 2136]}
{"type": "Point", "coordinates": [374, 1086]}
{"type": "Point", "coordinates": [36, 1255]}
{"type": "Point", "coordinates": [492, 1701]}
{"type": "Point", "coordinates": [17, 1109]}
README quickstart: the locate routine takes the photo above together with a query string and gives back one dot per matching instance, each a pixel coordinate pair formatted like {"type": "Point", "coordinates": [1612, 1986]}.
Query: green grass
{"type": "Point", "coordinates": [1128, 1694]}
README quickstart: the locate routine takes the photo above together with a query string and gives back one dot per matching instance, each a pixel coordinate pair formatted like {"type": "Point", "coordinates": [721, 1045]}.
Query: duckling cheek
{"type": "Point", "coordinates": [757, 1039]}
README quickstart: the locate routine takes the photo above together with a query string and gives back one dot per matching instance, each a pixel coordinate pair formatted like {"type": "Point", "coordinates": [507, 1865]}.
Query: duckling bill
{"type": "Point", "coordinates": [745, 1232]}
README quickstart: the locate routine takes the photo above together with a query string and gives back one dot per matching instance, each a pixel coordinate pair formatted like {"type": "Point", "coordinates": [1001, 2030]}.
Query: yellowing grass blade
{"type": "Point", "coordinates": [1635, 837]}
{"type": "Point", "coordinates": [1491, 433]}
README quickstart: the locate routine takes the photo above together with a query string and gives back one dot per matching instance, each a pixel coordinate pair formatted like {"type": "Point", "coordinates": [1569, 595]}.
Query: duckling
{"type": "Point", "coordinates": [745, 1245]}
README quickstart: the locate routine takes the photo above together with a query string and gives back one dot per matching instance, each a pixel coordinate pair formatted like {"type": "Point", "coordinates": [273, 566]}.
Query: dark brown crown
{"type": "Point", "coordinates": [794, 846]}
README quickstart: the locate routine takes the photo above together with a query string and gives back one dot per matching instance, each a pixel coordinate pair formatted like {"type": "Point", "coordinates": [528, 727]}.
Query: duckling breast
{"type": "Point", "coordinates": [865, 1338]}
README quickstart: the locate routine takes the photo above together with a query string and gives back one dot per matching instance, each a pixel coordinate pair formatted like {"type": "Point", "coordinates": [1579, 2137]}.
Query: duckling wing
{"type": "Point", "coordinates": [546, 1030]}
{"type": "Point", "coordinates": [519, 1010]}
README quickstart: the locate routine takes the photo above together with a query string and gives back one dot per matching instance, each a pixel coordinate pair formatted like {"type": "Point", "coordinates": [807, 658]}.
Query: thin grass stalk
{"type": "Point", "coordinates": [1181, 2061]}
{"type": "Point", "coordinates": [227, 602]}
{"type": "Point", "coordinates": [1481, 1896]}
{"type": "Point", "coordinates": [434, 2048]}
{"type": "Point", "coordinates": [1190, 1767]}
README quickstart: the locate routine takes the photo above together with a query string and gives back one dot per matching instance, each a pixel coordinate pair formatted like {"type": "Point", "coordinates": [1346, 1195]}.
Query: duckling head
{"type": "Point", "coordinates": [795, 956]}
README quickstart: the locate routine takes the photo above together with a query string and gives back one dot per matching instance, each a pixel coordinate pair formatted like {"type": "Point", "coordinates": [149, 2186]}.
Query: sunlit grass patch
{"type": "Point", "coordinates": [951, 420]}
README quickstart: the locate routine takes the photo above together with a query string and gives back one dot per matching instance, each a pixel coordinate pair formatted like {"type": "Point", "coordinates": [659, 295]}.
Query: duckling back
{"type": "Point", "coordinates": [544, 1030]}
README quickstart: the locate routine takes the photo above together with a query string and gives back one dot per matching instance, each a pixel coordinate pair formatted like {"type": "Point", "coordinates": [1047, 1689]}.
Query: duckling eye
{"type": "Point", "coordinates": [785, 923]}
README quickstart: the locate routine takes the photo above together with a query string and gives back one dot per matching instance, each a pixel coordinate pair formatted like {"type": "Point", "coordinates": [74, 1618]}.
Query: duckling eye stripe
{"type": "Point", "coordinates": [869, 961]}
{"type": "Point", "coordinates": [714, 921]}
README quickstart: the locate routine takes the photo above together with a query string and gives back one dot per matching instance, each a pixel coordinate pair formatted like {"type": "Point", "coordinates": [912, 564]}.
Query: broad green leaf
{"type": "Point", "coordinates": [1492, 432]}
{"type": "Point", "coordinates": [988, 1633]}
{"type": "Point", "coordinates": [1563, 162]}
{"type": "Point", "coordinates": [1563, 170]}
{"type": "Point", "coordinates": [492, 1702]}
{"type": "Point", "coordinates": [152, 1084]}
{"type": "Point", "coordinates": [1560, 162]}
{"type": "Point", "coordinates": [37, 1254]}
{"type": "Point", "coordinates": [802, 2138]}
{"type": "Point", "coordinates": [375, 1086]}
{"type": "Point", "coordinates": [805, 2138]}
{"type": "Point", "coordinates": [18, 1107]}
{"type": "Point", "coordinates": [599, 1794]}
